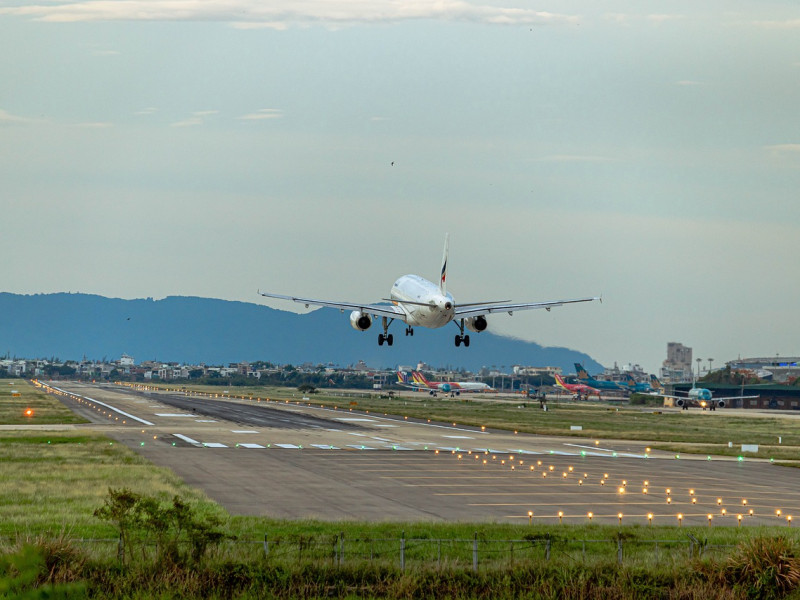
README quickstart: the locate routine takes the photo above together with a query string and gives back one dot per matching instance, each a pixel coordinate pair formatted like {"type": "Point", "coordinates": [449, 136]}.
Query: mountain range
{"type": "Point", "coordinates": [195, 330]}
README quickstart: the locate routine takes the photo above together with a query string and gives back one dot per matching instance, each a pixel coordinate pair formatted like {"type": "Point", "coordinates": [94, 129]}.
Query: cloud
{"type": "Point", "coordinates": [785, 24]}
{"type": "Point", "coordinates": [575, 158]}
{"type": "Point", "coordinates": [197, 118]}
{"type": "Point", "coordinates": [280, 14]}
{"type": "Point", "coordinates": [262, 114]}
{"type": "Point", "coordinates": [783, 149]}
{"type": "Point", "coordinates": [93, 125]}
{"type": "Point", "coordinates": [6, 118]}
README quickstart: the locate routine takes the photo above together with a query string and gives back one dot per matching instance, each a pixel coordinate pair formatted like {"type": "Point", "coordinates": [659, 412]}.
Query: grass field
{"type": "Point", "coordinates": [17, 396]}
{"type": "Point", "coordinates": [52, 480]}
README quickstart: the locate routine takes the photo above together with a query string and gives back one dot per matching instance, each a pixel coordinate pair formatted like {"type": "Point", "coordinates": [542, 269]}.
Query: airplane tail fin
{"type": "Point", "coordinates": [559, 381]}
{"type": "Point", "coordinates": [402, 377]}
{"type": "Point", "coordinates": [655, 383]}
{"type": "Point", "coordinates": [443, 277]}
{"type": "Point", "coordinates": [420, 378]}
{"type": "Point", "coordinates": [581, 372]}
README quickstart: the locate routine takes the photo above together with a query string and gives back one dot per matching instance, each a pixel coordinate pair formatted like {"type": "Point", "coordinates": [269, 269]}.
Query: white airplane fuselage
{"type": "Point", "coordinates": [423, 302]}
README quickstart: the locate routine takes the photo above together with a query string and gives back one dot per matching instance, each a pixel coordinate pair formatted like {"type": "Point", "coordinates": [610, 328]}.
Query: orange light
{"type": "Point", "coordinates": [29, 412]}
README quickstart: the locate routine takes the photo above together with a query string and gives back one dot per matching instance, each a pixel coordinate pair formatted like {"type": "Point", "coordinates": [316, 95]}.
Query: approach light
{"type": "Point", "coordinates": [28, 412]}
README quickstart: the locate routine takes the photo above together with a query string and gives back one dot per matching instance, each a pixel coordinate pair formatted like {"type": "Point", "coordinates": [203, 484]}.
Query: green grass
{"type": "Point", "coordinates": [47, 410]}
{"type": "Point", "coordinates": [53, 483]}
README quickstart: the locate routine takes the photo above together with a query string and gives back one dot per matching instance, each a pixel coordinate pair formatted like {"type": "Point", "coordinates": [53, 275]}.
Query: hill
{"type": "Point", "coordinates": [204, 330]}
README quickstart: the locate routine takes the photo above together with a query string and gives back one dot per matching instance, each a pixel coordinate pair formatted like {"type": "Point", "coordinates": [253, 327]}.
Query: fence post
{"type": "Point", "coordinates": [266, 545]}
{"type": "Point", "coordinates": [475, 551]}
{"type": "Point", "coordinates": [403, 552]}
{"type": "Point", "coordinates": [547, 550]}
{"type": "Point", "coordinates": [341, 548]}
{"type": "Point", "coordinates": [619, 551]}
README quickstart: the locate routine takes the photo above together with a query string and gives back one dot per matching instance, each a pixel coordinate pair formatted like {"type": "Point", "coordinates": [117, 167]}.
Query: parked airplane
{"type": "Point", "coordinates": [421, 303]}
{"type": "Point", "coordinates": [576, 388]}
{"type": "Point", "coordinates": [448, 387]}
{"type": "Point", "coordinates": [404, 380]}
{"type": "Point", "coordinates": [640, 387]}
{"type": "Point", "coordinates": [656, 384]}
{"type": "Point", "coordinates": [600, 384]}
{"type": "Point", "coordinates": [702, 398]}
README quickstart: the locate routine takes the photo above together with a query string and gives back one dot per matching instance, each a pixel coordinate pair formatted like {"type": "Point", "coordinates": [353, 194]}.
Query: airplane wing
{"type": "Point", "coordinates": [380, 310]}
{"type": "Point", "coordinates": [481, 308]}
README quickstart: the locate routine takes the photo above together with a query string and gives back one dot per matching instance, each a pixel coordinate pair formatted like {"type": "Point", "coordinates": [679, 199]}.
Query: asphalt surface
{"type": "Point", "coordinates": [289, 460]}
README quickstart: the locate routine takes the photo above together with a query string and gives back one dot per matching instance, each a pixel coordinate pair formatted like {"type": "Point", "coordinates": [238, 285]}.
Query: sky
{"type": "Point", "coordinates": [645, 151]}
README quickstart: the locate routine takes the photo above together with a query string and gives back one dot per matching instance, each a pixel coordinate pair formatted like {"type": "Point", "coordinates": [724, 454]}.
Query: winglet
{"type": "Point", "coordinates": [443, 279]}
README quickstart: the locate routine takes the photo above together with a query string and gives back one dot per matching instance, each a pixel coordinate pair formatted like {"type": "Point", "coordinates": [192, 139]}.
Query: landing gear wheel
{"type": "Point", "coordinates": [466, 341]}
{"type": "Point", "coordinates": [410, 331]}
{"type": "Point", "coordinates": [389, 339]}
{"type": "Point", "coordinates": [458, 341]}
{"type": "Point", "coordinates": [380, 339]}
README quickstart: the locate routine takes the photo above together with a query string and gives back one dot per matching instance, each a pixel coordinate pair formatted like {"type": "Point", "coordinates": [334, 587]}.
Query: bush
{"type": "Point", "coordinates": [767, 567]}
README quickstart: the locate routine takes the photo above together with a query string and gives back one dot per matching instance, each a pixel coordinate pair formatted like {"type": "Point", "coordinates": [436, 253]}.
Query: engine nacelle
{"type": "Point", "coordinates": [680, 402]}
{"type": "Point", "coordinates": [720, 403]}
{"type": "Point", "coordinates": [360, 321]}
{"type": "Point", "coordinates": [476, 324]}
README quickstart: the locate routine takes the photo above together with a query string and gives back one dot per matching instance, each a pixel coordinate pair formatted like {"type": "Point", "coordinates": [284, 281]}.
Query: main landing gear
{"type": "Point", "coordinates": [461, 338]}
{"type": "Point", "coordinates": [386, 336]}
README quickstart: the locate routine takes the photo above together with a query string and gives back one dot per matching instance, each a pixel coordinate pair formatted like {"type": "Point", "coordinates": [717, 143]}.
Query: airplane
{"type": "Point", "coordinates": [641, 387]}
{"type": "Point", "coordinates": [576, 388]}
{"type": "Point", "coordinates": [450, 387]}
{"type": "Point", "coordinates": [585, 378]}
{"type": "Point", "coordinates": [421, 303]}
{"type": "Point", "coordinates": [405, 381]}
{"type": "Point", "coordinates": [656, 384]}
{"type": "Point", "coordinates": [701, 397]}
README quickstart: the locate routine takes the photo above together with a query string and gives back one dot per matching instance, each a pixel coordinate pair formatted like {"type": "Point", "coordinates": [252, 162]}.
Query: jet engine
{"type": "Point", "coordinates": [360, 320]}
{"type": "Point", "coordinates": [476, 324]}
{"type": "Point", "coordinates": [680, 402]}
{"type": "Point", "coordinates": [720, 403]}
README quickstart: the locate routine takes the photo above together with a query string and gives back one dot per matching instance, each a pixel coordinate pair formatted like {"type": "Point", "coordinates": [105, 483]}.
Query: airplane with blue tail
{"type": "Point", "coordinates": [599, 384]}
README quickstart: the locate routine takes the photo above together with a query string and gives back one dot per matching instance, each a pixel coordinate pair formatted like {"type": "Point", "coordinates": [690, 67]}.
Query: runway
{"type": "Point", "coordinates": [294, 461]}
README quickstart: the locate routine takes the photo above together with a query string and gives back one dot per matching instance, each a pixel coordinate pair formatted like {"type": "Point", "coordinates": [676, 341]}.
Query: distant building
{"type": "Point", "coordinates": [678, 366]}
{"type": "Point", "coordinates": [535, 371]}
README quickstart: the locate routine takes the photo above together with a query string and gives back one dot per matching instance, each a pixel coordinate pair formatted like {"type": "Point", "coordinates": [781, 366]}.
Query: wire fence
{"type": "Point", "coordinates": [474, 553]}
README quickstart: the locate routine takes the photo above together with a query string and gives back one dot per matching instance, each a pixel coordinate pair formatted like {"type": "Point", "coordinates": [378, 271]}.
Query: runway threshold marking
{"type": "Point", "coordinates": [187, 439]}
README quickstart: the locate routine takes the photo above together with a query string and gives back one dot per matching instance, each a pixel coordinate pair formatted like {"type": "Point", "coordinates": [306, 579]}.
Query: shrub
{"type": "Point", "coordinates": [767, 567]}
